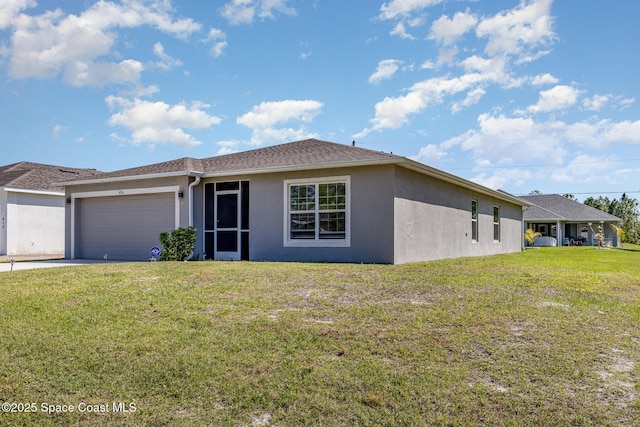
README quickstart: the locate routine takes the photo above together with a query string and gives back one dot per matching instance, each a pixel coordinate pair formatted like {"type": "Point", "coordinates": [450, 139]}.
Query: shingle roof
{"type": "Point", "coordinates": [556, 207]}
{"type": "Point", "coordinates": [311, 152]}
{"type": "Point", "coordinates": [300, 154]}
{"type": "Point", "coordinates": [37, 176]}
{"type": "Point", "coordinates": [185, 164]}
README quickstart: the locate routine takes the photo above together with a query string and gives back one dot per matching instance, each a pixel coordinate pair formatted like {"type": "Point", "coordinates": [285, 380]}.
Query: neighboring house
{"type": "Point", "coordinates": [302, 201]}
{"type": "Point", "coordinates": [31, 209]}
{"type": "Point", "coordinates": [568, 222]}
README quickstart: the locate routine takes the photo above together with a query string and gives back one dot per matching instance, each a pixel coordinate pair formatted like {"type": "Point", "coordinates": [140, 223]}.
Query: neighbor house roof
{"type": "Point", "coordinates": [554, 207]}
{"type": "Point", "coordinates": [293, 156]}
{"type": "Point", "coordinates": [30, 176]}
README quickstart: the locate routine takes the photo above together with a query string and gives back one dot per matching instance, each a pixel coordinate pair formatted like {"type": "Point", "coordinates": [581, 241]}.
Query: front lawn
{"type": "Point", "coordinates": [549, 336]}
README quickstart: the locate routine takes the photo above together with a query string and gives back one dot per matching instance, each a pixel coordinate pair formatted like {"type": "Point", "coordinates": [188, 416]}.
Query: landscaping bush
{"type": "Point", "coordinates": [178, 244]}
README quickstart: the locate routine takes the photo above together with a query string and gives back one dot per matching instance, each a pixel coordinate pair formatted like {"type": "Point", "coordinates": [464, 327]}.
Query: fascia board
{"type": "Point", "coordinates": [128, 178]}
{"type": "Point", "coordinates": [545, 219]}
{"type": "Point", "coordinates": [41, 192]}
{"type": "Point", "coordinates": [279, 169]}
{"type": "Point", "coordinates": [445, 176]}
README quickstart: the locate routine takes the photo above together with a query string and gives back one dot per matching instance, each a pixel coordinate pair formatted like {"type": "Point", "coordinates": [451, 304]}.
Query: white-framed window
{"type": "Point", "coordinates": [474, 220]}
{"type": "Point", "coordinates": [317, 212]}
{"type": "Point", "coordinates": [496, 223]}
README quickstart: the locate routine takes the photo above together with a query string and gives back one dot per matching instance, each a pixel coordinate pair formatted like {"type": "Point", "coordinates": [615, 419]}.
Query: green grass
{"type": "Point", "coordinates": [549, 336]}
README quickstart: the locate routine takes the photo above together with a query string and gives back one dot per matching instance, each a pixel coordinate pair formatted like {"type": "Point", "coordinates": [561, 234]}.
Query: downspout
{"type": "Point", "coordinates": [524, 228]}
{"type": "Point", "coordinates": [193, 184]}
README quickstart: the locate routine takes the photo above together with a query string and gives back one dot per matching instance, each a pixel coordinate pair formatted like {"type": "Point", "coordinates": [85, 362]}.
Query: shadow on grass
{"type": "Point", "coordinates": [629, 249]}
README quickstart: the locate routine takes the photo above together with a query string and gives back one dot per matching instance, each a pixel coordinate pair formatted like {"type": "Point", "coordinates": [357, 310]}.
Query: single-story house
{"type": "Point", "coordinates": [32, 210]}
{"type": "Point", "coordinates": [301, 201]}
{"type": "Point", "coordinates": [565, 222]}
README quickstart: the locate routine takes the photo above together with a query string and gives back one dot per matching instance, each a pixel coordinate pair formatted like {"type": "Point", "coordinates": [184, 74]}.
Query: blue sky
{"type": "Point", "coordinates": [518, 95]}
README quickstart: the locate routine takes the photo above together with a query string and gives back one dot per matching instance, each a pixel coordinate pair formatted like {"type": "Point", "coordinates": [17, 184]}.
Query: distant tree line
{"type": "Point", "coordinates": [625, 208]}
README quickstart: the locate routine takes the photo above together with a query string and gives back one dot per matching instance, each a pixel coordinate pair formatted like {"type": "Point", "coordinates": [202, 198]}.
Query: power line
{"type": "Point", "coordinates": [590, 192]}
{"type": "Point", "coordinates": [544, 164]}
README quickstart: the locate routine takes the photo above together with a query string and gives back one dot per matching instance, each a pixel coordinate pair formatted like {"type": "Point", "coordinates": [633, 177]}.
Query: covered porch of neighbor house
{"type": "Point", "coordinates": [561, 233]}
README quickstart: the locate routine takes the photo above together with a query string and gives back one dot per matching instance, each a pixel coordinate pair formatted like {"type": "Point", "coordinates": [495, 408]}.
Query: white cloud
{"type": "Point", "coordinates": [392, 113]}
{"type": "Point", "coordinates": [514, 35]}
{"type": "Point", "coordinates": [430, 154]}
{"type": "Point", "coordinates": [403, 8]}
{"type": "Point", "coordinates": [268, 119]}
{"type": "Point", "coordinates": [158, 122]}
{"type": "Point", "coordinates": [626, 103]}
{"type": "Point", "coordinates": [556, 98]}
{"type": "Point", "coordinates": [386, 70]}
{"type": "Point", "coordinates": [268, 114]}
{"type": "Point", "coordinates": [166, 62]}
{"type": "Point", "coordinates": [596, 102]}
{"type": "Point", "coordinates": [493, 69]}
{"type": "Point", "coordinates": [473, 97]}
{"type": "Point", "coordinates": [428, 65]}
{"type": "Point", "coordinates": [624, 132]}
{"type": "Point", "coordinates": [585, 133]}
{"type": "Point", "coordinates": [582, 169]}
{"type": "Point", "coordinates": [218, 40]}
{"type": "Point", "coordinates": [502, 178]}
{"type": "Point", "coordinates": [447, 31]}
{"type": "Point", "coordinates": [306, 50]}
{"type": "Point", "coordinates": [400, 30]}
{"type": "Point", "coordinates": [544, 79]}
{"type": "Point", "coordinates": [504, 139]}
{"type": "Point", "coordinates": [9, 10]}
{"type": "Point", "coordinates": [80, 73]}
{"type": "Point", "coordinates": [244, 11]}
{"type": "Point", "coordinates": [48, 44]}
{"type": "Point", "coordinates": [227, 147]}
{"type": "Point", "coordinates": [500, 142]}
{"type": "Point", "coordinates": [58, 129]}
{"type": "Point", "coordinates": [518, 31]}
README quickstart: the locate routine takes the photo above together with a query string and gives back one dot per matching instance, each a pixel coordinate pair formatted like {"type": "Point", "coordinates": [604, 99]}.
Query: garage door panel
{"type": "Point", "coordinates": [125, 227]}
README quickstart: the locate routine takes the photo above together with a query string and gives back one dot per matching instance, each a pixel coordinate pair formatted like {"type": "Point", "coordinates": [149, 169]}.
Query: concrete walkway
{"type": "Point", "coordinates": [31, 257]}
{"type": "Point", "coordinates": [30, 265]}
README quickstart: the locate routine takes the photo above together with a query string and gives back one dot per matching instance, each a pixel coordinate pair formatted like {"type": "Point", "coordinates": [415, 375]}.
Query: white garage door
{"type": "Point", "coordinates": [125, 227]}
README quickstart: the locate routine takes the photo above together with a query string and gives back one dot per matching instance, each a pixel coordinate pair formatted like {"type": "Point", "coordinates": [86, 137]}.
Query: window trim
{"type": "Point", "coordinates": [474, 221]}
{"type": "Point", "coordinates": [497, 224]}
{"type": "Point", "coordinates": [316, 242]}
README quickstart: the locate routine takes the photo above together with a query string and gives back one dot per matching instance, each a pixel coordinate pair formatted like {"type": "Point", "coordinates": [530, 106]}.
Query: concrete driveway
{"type": "Point", "coordinates": [30, 265]}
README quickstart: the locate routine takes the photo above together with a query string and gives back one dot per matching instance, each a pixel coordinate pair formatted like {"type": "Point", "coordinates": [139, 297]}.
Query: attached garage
{"type": "Point", "coordinates": [124, 227]}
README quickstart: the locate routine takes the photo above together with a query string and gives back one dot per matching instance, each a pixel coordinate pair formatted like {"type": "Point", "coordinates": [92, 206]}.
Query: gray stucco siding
{"type": "Point", "coordinates": [371, 215]}
{"type": "Point", "coordinates": [433, 220]}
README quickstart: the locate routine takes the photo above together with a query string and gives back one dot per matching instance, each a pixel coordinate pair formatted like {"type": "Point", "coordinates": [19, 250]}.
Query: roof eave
{"type": "Point", "coordinates": [28, 191]}
{"type": "Point", "coordinates": [295, 168]}
{"type": "Point", "coordinates": [544, 219]}
{"type": "Point", "coordinates": [128, 178]}
{"type": "Point", "coordinates": [453, 179]}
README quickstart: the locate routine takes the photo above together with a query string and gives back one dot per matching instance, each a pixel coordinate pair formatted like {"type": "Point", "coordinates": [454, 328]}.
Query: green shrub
{"type": "Point", "coordinates": [178, 244]}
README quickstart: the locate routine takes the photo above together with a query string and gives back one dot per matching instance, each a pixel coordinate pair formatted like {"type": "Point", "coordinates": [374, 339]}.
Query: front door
{"type": "Point", "coordinates": [227, 219]}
